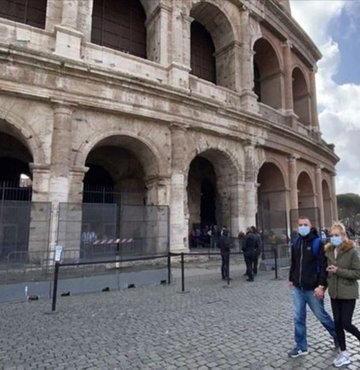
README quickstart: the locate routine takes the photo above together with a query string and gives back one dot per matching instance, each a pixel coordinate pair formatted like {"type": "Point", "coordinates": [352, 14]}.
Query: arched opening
{"type": "Point", "coordinates": [15, 197]}
{"type": "Point", "coordinates": [120, 25]}
{"type": "Point", "coordinates": [267, 74]}
{"type": "Point", "coordinates": [212, 47]}
{"type": "Point", "coordinates": [211, 203]}
{"type": "Point", "coordinates": [120, 200]}
{"type": "Point", "coordinates": [115, 175]}
{"type": "Point", "coordinates": [31, 12]}
{"type": "Point", "coordinates": [203, 63]}
{"type": "Point", "coordinates": [15, 175]}
{"type": "Point", "coordinates": [301, 96]}
{"type": "Point", "coordinates": [306, 196]}
{"type": "Point", "coordinates": [202, 193]}
{"type": "Point", "coordinates": [328, 217]}
{"type": "Point", "coordinates": [272, 215]}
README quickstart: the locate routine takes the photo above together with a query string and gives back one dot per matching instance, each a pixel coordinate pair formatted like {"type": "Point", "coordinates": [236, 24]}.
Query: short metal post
{"type": "Point", "coordinates": [276, 265]}
{"type": "Point", "coordinates": [56, 275]}
{"type": "Point", "coordinates": [228, 277]}
{"type": "Point", "coordinates": [182, 273]}
{"type": "Point", "coordinates": [169, 267]}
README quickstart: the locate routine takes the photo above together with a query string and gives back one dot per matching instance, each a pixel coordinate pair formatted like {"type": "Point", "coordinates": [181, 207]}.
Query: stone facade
{"type": "Point", "coordinates": [252, 138]}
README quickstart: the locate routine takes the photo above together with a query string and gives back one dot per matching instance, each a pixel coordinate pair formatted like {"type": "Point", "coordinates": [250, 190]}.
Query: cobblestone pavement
{"type": "Point", "coordinates": [211, 326]}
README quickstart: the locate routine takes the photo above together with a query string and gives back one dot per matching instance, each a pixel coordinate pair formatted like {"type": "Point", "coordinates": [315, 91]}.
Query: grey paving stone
{"type": "Point", "coordinates": [246, 326]}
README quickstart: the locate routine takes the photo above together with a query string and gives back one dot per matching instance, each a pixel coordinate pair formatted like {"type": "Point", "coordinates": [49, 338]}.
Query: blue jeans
{"type": "Point", "coordinates": [300, 299]}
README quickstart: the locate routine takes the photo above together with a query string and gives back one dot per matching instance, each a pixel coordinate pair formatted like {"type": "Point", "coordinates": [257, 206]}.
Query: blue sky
{"type": "Point", "coordinates": [334, 26]}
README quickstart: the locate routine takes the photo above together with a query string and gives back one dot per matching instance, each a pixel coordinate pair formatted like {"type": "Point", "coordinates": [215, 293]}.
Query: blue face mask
{"type": "Point", "coordinates": [336, 240]}
{"type": "Point", "coordinates": [304, 230]}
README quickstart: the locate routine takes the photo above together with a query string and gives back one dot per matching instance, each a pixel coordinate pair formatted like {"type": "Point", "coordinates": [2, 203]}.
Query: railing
{"type": "Point", "coordinates": [168, 256]}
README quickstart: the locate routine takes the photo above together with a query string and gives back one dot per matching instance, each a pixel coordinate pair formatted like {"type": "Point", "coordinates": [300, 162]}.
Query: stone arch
{"type": "Point", "coordinates": [212, 177]}
{"type": "Point", "coordinates": [208, 16]}
{"type": "Point", "coordinates": [272, 199]}
{"type": "Point", "coordinates": [306, 195]}
{"type": "Point", "coordinates": [17, 127]}
{"type": "Point", "coordinates": [158, 162]}
{"type": "Point", "coordinates": [301, 95]}
{"type": "Point", "coordinates": [327, 202]}
{"type": "Point", "coordinates": [267, 73]}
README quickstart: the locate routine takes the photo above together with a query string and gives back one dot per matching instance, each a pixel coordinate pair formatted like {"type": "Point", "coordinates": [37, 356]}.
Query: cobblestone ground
{"type": "Point", "coordinates": [211, 326]}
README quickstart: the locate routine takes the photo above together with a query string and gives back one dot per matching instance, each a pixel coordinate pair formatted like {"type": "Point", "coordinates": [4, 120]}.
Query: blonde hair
{"type": "Point", "coordinates": [341, 227]}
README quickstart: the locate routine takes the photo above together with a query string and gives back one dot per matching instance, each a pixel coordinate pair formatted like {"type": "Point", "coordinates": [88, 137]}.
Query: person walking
{"type": "Point", "coordinates": [343, 266]}
{"type": "Point", "coordinates": [308, 280]}
{"type": "Point", "coordinates": [224, 244]}
{"type": "Point", "coordinates": [251, 246]}
{"type": "Point", "coordinates": [255, 261]}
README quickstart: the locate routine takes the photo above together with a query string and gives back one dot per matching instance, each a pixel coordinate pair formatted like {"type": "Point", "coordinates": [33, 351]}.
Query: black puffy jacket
{"type": "Point", "coordinates": [307, 270]}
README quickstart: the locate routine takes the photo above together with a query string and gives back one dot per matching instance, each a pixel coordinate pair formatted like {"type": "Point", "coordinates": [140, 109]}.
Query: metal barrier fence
{"type": "Point", "coordinates": [168, 256]}
{"type": "Point", "coordinates": [105, 230]}
{"type": "Point", "coordinates": [24, 227]}
{"type": "Point", "coordinates": [87, 231]}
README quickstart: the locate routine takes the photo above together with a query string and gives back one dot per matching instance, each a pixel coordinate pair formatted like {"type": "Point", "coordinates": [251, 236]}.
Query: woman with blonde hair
{"type": "Point", "coordinates": [343, 267]}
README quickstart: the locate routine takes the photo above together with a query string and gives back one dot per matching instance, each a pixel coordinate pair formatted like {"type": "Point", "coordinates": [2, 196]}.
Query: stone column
{"type": "Point", "coordinates": [68, 38]}
{"type": "Point", "coordinates": [157, 27]}
{"type": "Point", "coordinates": [157, 190]}
{"type": "Point", "coordinates": [69, 13]}
{"type": "Point", "coordinates": [250, 184]}
{"type": "Point", "coordinates": [313, 110]}
{"type": "Point", "coordinates": [248, 97]}
{"type": "Point", "coordinates": [335, 215]}
{"type": "Point", "coordinates": [40, 214]}
{"type": "Point", "coordinates": [293, 182]}
{"type": "Point", "coordinates": [319, 194]}
{"type": "Point", "coordinates": [178, 228]}
{"type": "Point", "coordinates": [179, 66]}
{"type": "Point", "coordinates": [288, 91]}
{"type": "Point", "coordinates": [59, 183]}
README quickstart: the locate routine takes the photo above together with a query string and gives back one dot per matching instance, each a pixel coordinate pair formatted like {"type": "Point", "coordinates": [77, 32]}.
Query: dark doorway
{"type": "Point", "coordinates": [98, 185]}
{"type": "Point", "coordinates": [207, 203]}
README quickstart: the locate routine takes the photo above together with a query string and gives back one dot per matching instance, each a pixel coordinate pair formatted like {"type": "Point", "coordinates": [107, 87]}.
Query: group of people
{"type": "Point", "coordinates": [250, 243]}
{"type": "Point", "coordinates": [316, 267]}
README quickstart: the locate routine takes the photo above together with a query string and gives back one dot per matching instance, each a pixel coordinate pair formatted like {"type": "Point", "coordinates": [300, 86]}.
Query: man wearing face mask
{"type": "Point", "coordinates": [308, 280]}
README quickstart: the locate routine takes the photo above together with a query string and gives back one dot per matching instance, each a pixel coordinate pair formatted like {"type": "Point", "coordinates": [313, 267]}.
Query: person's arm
{"type": "Point", "coordinates": [322, 263]}
{"type": "Point", "coordinates": [351, 273]}
{"type": "Point", "coordinates": [319, 290]}
{"type": "Point", "coordinates": [292, 265]}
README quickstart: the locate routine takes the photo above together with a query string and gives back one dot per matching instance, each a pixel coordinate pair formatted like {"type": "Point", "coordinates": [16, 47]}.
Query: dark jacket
{"type": "Point", "coordinates": [224, 244]}
{"type": "Point", "coordinates": [251, 246]}
{"type": "Point", "coordinates": [307, 270]}
{"type": "Point", "coordinates": [343, 284]}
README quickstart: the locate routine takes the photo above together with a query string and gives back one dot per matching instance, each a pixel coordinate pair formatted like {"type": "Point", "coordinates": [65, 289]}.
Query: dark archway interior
{"type": "Point", "coordinates": [98, 185]}
{"type": "Point", "coordinates": [207, 203]}
{"type": "Point", "coordinates": [15, 174]}
{"type": "Point", "coordinates": [202, 192]}
{"type": "Point", "coordinates": [11, 170]}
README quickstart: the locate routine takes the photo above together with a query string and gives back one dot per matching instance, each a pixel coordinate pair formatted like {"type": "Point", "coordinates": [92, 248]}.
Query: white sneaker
{"type": "Point", "coordinates": [343, 358]}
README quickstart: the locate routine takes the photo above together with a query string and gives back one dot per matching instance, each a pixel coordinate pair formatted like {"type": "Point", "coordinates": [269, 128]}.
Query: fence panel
{"type": "Point", "coordinates": [14, 227]}
{"type": "Point", "coordinates": [147, 226]}
{"type": "Point", "coordinates": [274, 234]}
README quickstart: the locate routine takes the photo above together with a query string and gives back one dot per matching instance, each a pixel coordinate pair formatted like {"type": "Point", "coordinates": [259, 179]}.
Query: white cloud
{"type": "Point", "coordinates": [338, 104]}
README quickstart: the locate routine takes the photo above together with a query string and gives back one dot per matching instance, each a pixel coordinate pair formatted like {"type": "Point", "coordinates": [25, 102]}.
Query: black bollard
{"type": "Point", "coordinates": [56, 274]}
